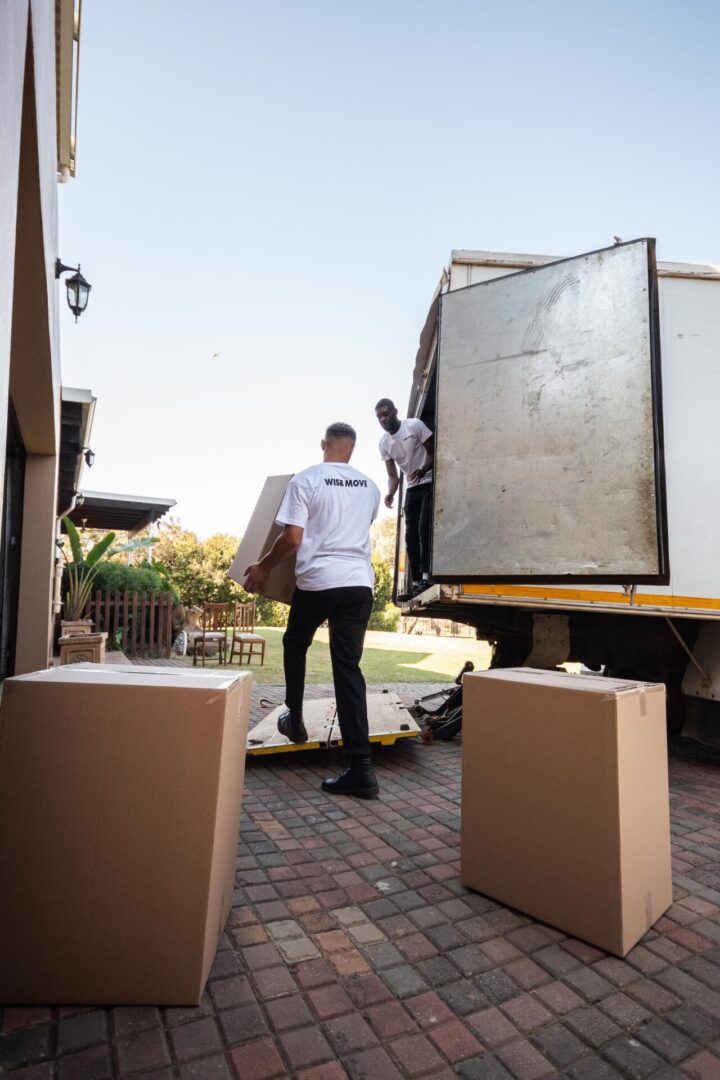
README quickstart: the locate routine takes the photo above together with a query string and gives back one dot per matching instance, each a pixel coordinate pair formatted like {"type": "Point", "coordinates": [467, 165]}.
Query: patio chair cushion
{"type": "Point", "coordinates": [247, 637]}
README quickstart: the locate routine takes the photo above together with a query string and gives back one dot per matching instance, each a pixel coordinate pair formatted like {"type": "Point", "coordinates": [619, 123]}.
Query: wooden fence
{"type": "Point", "coordinates": [415, 624]}
{"type": "Point", "coordinates": [138, 623]}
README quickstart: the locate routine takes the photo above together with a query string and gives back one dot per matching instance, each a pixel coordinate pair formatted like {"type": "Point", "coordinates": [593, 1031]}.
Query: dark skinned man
{"type": "Point", "coordinates": [409, 444]}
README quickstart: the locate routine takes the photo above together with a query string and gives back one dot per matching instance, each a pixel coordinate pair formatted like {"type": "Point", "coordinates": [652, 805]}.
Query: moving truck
{"type": "Point", "coordinates": [576, 410]}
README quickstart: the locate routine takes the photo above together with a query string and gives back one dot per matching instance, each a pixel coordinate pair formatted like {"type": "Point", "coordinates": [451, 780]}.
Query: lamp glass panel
{"type": "Point", "coordinates": [83, 292]}
{"type": "Point", "coordinates": [72, 293]}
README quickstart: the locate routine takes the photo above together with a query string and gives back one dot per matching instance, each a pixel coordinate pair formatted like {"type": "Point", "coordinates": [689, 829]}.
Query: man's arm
{"type": "Point", "coordinates": [286, 544]}
{"type": "Point", "coordinates": [429, 447]}
{"type": "Point", "coordinates": [393, 482]}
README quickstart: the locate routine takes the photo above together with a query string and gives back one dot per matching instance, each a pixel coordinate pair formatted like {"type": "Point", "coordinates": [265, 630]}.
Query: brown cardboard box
{"type": "Point", "coordinates": [120, 792]}
{"type": "Point", "coordinates": [260, 535]}
{"type": "Point", "coordinates": [565, 808]}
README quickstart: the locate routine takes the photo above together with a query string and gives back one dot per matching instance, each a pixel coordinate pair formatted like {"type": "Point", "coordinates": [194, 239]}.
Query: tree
{"type": "Point", "coordinates": [198, 571]}
{"type": "Point", "coordinates": [383, 583]}
{"type": "Point", "coordinates": [385, 616]}
{"type": "Point", "coordinates": [383, 540]}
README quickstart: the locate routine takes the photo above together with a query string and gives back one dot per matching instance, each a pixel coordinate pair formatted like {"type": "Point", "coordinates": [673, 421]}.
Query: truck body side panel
{"type": "Point", "coordinates": [689, 305]}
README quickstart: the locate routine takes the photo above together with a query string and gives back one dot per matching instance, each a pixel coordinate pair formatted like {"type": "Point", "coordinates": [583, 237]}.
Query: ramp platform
{"type": "Point", "coordinates": [388, 720]}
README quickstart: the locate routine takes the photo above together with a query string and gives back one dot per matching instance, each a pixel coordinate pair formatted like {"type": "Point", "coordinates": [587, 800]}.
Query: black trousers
{"type": "Point", "coordinates": [347, 611]}
{"type": "Point", "coordinates": [418, 524]}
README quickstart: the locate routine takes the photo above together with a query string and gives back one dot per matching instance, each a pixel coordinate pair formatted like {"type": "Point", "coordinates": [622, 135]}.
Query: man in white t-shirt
{"type": "Point", "coordinates": [326, 515]}
{"type": "Point", "coordinates": [409, 444]}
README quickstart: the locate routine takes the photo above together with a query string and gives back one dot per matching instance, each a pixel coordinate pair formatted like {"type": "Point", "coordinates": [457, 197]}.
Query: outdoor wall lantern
{"type": "Point", "coordinates": [78, 289]}
{"type": "Point", "coordinates": [89, 458]}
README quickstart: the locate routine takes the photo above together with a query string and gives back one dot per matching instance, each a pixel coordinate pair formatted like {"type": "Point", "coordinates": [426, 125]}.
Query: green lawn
{"type": "Point", "coordinates": [388, 658]}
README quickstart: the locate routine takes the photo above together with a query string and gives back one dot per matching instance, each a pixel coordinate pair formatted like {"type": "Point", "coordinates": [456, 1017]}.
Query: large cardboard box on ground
{"type": "Point", "coordinates": [565, 808]}
{"type": "Point", "coordinates": [120, 793]}
{"type": "Point", "coordinates": [260, 535]}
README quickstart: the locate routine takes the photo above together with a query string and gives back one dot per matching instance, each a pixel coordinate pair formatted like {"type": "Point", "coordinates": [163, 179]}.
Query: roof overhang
{"type": "Point", "coordinates": [122, 513]}
{"type": "Point", "coordinates": [67, 63]}
{"type": "Point", "coordinates": [76, 417]}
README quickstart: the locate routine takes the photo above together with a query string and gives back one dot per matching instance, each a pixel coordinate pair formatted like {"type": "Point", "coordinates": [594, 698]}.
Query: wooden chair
{"type": "Point", "coordinates": [215, 621]}
{"type": "Point", "coordinates": [244, 637]}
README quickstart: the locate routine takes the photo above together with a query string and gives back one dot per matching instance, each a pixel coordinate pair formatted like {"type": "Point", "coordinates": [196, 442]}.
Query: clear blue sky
{"type": "Point", "coordinates": [282, 183]}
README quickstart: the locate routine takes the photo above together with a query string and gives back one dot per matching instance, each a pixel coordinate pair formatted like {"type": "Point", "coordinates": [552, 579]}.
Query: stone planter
{"type": "Point", "coordinates": [84, 648]}
{"type": "Point", "coordinates": [72, 627]}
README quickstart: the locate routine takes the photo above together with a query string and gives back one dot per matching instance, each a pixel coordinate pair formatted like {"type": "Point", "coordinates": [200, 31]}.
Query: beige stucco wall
{"type": "Point", "coordinates": [29, 352]}
{"type": "Point", "coordinates": [34, 632]}
{"type": "Point", "coordinates": [13, 37]}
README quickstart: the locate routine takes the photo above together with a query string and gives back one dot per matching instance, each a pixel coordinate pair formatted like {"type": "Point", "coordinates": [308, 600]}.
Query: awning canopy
{"type": "Point", "coordinates": [76, 417]}
{"type": "Point", "coordinates": [123, 513]}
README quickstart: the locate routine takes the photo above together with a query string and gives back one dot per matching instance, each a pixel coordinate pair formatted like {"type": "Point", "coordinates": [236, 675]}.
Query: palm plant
{"type": "Point", "coordinates": [82, 571]}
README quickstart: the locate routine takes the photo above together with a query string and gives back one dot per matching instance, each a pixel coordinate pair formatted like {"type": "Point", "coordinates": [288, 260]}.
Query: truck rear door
{"type": "Point", "coordinates": [549, 454]}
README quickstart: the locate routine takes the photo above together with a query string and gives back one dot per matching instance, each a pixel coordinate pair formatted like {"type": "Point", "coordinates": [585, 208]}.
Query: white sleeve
{"type": "Point", "coordinates": [421, 430]}
{"type": "Point", "coordinates": [384, 452]}
{"type": "Point", "coordinates": [295, 504]}
{"type": "Point", "coordinates": [377, 503]}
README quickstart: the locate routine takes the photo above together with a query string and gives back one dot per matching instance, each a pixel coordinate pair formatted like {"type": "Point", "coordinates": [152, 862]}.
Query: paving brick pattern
{"type": "Point", "coordinates": [353, 950]}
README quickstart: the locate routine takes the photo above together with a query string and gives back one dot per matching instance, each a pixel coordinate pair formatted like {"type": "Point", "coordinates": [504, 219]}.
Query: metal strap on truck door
{"type": "Point", "coordinates": [706, 678]}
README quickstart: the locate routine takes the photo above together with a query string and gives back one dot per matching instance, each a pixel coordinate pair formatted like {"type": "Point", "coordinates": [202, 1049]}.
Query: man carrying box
{"type": "Point", "coordinates": [325, 516]}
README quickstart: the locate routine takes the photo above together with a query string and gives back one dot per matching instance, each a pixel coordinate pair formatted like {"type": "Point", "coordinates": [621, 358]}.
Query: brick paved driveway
{"type": "Point", "coordinates": [353, 950]}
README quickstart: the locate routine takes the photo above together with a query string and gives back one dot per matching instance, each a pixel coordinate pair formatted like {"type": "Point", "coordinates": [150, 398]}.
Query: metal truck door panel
{"type": "Point", "coordinates": [549, 432]}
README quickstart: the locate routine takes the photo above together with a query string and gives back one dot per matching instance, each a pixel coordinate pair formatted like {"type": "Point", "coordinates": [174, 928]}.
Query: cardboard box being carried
{"type": "Point", "coordinates": [260, 535]}
{"type": "Point", "coordinates": [120, 792]}
{"type": "Point", "coordinates": [565, 807]}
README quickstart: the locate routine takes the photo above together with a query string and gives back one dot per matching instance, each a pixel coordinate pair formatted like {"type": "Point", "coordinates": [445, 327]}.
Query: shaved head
{"type": "Point", "coordinates": [340, 431]}
{"type": "Point", "coordinates": [338, 443]}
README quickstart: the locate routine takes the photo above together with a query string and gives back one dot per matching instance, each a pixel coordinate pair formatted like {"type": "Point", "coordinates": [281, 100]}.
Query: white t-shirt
{"type": "Point", "coordinates": [406, 448]}
{"type": "Point", "coordinates": [335, 505]}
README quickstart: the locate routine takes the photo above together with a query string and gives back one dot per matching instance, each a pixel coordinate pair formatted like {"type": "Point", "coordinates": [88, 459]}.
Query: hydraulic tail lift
{"type": "Point", "coordinates": [388, 720]}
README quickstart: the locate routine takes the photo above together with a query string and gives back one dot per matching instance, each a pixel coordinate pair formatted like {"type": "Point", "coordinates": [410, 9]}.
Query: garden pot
{"type": "Point", "coordinates": [71, 627]}
{"type": "Point", "coordinates": [83, 648]}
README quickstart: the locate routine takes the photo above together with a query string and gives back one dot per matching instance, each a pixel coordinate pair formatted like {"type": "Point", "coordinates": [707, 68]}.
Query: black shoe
{"type": "Point", "coordinates": [292, 727]}
{"type": "Point", "coordinates": [358, 779]}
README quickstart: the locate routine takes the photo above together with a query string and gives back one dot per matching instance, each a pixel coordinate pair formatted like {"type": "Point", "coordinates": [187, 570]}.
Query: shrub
{"type": "Point", "coordinates": [385, 616]}
{"type": "Point", "coordinates": [81, 571]}
{"type": "Point", "coordinates": [117, 577]}
{"type": "Point", "coordinates": [385, 620]}
{"type": "Point", "coordinates": [383, 583]}
{"type": "Point", "coordinates": [269, 612]}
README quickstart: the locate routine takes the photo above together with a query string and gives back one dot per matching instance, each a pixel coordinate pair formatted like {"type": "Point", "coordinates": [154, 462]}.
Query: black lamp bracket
{"type": "Point", "coordinates": [61, 268]}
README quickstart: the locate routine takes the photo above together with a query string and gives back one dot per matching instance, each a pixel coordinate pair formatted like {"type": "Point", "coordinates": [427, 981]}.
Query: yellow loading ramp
{"type": "Point", "coordinates": [388, 720]}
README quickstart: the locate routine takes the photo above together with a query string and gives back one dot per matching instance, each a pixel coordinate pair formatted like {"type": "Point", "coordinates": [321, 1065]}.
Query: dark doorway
{"type": "Point", "coordinates": [10, 543]}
